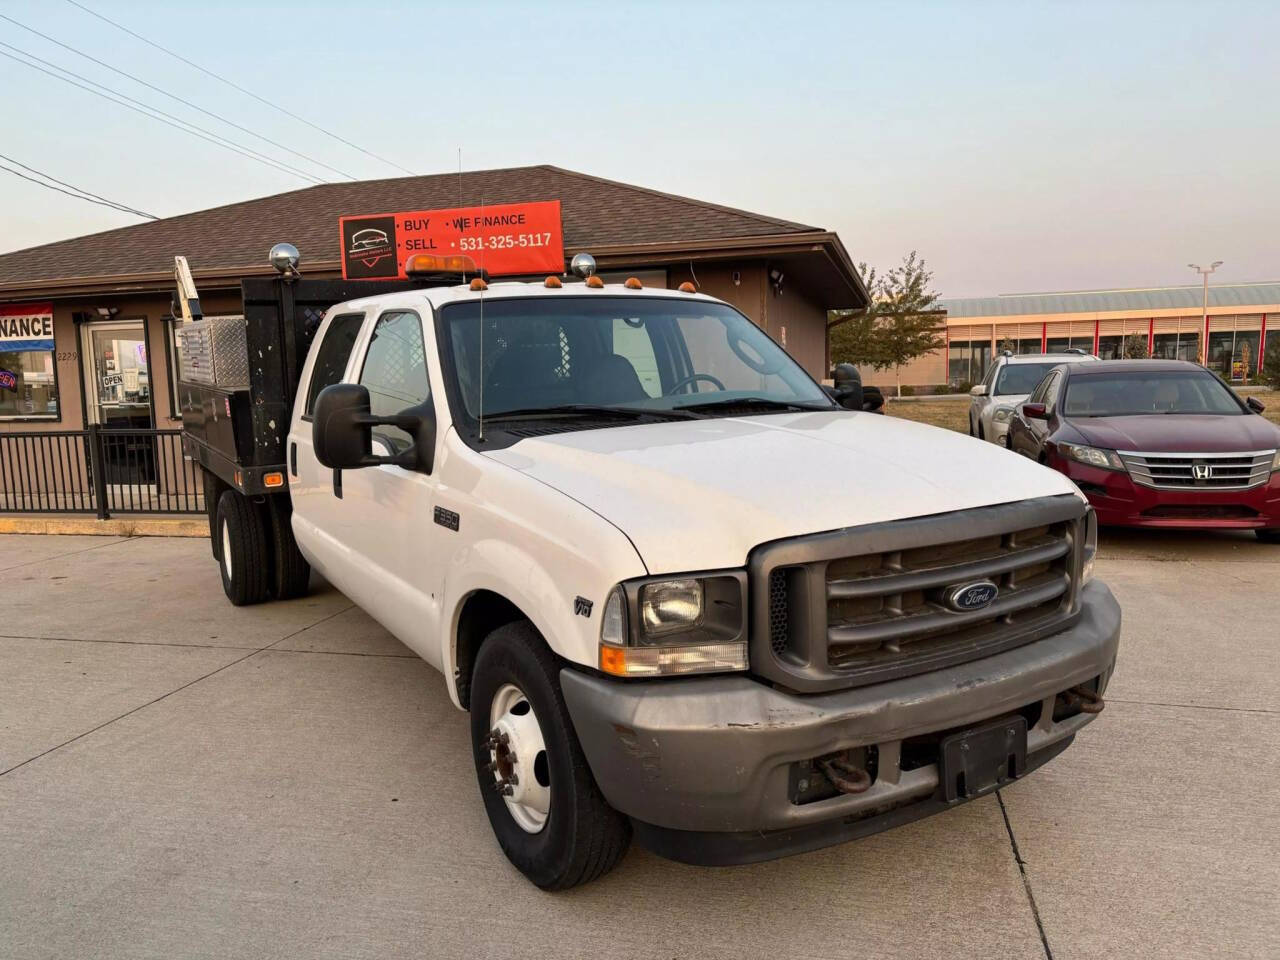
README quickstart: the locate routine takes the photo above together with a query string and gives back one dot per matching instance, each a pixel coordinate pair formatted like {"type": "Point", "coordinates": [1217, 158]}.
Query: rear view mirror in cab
{"type": "Point", "coordinates": [1035, 411]}
{"type": "Point", "coordinates": [848, 388]}
{"type": "Point", "coordinates": [342, 431]}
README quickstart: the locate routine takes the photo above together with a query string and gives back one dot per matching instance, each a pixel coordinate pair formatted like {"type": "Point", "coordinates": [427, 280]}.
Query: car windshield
{"type": "Point", "coordinates": [1021, 378]}
{"type": "Point", "coordinates": [1135, 393]}
{"type": "Point", "coordinates": [569, 355]}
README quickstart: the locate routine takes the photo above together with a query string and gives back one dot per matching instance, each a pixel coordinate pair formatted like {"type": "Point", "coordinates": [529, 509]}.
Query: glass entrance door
{"type": "Point", "coordinates": [118, 398]}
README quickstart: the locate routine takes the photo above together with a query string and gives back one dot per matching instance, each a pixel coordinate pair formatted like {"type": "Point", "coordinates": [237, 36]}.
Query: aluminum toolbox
{"type": "Point", "coordinates": [215, 351]}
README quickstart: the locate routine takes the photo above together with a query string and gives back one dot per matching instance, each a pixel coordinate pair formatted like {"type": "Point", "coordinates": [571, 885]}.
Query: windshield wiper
{"type": "Point", "coordinates": [587, 410]}
{"type": "Point", "coordinates": [762, 403]}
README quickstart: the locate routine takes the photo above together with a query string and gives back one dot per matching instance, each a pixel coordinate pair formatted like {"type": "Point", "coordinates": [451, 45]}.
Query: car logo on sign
{"type": "Point", "coordinates": [972, 596]}
{"type": "Point", "coordinates": [1201, 471]}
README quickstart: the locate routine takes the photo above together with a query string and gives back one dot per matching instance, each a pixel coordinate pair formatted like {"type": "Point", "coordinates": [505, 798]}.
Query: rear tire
{"type": "Point", "coordinates": [581, 837]}
{"type": "Point", "coordinates": [290, 572]}
{"type": "Point", "coordinates": [244, 549]}
{"type": "Point", "coordinates": [212, 490]}
{"type": "Point", "coordinates": [1268, 534]}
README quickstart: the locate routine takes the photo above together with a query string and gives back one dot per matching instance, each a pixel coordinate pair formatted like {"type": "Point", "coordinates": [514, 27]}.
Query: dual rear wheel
{"type": "Point", "coordinates": [256, 552]}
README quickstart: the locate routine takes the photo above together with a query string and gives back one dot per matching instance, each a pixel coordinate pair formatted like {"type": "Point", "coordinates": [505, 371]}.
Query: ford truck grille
{"type": "Point", "coordinates": [870, 604]}
{"type": "Point", "coordinates": [1199, 471]}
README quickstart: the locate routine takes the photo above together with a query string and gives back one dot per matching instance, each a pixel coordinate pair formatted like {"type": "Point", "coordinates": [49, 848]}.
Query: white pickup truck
{"type": "Point", "coordinates": [684, 592]}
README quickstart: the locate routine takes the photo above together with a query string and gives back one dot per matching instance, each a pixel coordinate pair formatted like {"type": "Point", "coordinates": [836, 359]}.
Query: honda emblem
{"type": "Point", "coordinates": [1201, 471]}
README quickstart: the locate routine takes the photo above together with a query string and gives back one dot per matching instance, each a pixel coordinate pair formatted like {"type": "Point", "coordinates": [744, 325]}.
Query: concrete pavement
{"type": "Point", "coordinates": [181, 778]}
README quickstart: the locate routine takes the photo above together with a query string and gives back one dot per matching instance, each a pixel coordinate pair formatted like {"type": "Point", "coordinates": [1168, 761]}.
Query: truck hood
{"type": "Point", "coordinates": [699, 495]}
{"type": "Point", "coordinates": [1171, 433]}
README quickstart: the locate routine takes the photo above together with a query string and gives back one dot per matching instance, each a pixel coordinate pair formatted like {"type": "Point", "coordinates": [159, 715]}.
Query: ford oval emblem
{"type": "Point", "coordinates": [972, 596]}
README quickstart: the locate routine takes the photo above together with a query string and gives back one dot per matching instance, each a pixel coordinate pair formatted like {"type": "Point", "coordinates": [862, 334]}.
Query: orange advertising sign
{"type": "Point", "coordinates": [509, 238]}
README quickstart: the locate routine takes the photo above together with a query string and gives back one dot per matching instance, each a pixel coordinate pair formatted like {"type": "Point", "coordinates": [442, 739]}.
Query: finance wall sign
{"type": "Point", "coordinates": [26, 326]}
{"type": "Point", "coordinates": [507, 238]}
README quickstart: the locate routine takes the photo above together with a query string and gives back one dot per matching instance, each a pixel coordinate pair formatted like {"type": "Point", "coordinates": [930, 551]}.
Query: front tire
{"type": "Point", "coordinates": [551, 820]}
{"type": "Point", "coordinates": [1268, 534]}
{"type": "Point", "coordinates": [244, 549]}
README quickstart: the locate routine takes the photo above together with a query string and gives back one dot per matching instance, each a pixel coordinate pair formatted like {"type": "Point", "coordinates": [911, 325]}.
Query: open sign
{"type": "Point", "coordinates": [8, 380]}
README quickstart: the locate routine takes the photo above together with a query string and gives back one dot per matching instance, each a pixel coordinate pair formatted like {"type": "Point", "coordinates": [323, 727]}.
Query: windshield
{"type": "Point", "coordinates": [1021, 378]}
{"type": "Point", "coordinates": [625, 353]}
{"type": "Point", "coordinates": [1134, 393]}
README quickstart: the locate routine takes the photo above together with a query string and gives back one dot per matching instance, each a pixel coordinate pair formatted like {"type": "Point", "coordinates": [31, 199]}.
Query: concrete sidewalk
{"type": "Point", "coordinates": [182, 778]}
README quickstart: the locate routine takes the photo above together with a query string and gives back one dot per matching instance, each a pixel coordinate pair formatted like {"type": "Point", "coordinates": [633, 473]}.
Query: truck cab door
{"type": "Point", "coordinates": [387, 553]}
{"type": "Point", "coordinates": [316, 520]}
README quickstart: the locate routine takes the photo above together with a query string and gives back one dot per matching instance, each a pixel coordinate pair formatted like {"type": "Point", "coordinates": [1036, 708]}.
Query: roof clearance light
{"type": "Point", "coordinates": [478, 284]}
{"type": "Point", "coordinates": [688, 287]}
{"type": "Point", "coordinates": [552, 282]}
{"type": "Point", "coordinates": [427, 263]}
{"type": "Point", "coordinates": [594, 282]}
{"type": "Point", "coordinates": [633, 283]}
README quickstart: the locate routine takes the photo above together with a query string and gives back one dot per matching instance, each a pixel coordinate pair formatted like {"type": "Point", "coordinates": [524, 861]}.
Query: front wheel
{"type": "Point", "coordinates": [1268, 534]}
{"type": "Point", "coordinates": [549, 816]}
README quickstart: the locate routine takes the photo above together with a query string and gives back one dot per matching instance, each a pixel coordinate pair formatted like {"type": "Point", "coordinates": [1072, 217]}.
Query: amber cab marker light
{"type": "Point", "coordinates": [275, 479]}
{"type": "Point", "coordinates": [633, 283]}
{"type": "Point", "coordinates": [613, 660]}
{"type": "Point", "coordinates": [552, 282]}
{"type": "Point", "coordinates": [478, 284]}
{"type": "Point", "coordinates": [688, 287]}
{"type": "Point", "coordinates": [427, 263]}
{"type": "Point", "coordinates": [594, 282]}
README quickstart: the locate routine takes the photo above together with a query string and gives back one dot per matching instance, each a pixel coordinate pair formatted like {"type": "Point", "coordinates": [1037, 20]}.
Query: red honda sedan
{"type": "Point", "coordinates": [1156, 443]}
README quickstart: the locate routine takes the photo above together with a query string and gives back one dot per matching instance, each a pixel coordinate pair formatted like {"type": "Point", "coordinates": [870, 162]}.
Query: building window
{"type": "Point", "coordinates": [1176, 346]}
{"type": "Point", "coordinates": [968, 362]}
{"type": "Point", "coordinates": [28, 373]}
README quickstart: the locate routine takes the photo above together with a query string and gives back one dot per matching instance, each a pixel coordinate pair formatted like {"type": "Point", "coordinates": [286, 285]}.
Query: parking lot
{"type": "Point", "coordinates": [181, 778]}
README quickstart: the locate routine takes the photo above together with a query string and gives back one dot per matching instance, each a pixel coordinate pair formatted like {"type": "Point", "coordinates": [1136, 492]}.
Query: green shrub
{"type": "Point", "coordinates": [1271, 363]}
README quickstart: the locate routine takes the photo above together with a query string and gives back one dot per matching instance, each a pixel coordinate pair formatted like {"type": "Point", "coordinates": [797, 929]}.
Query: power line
{"type": "Point", "coordinates": [79, 196]}
{"type": "Point", "coordinates": [173, 96]}
{"type": "Point", "coordinates": [155, 113]}
{"type": "Point", "coordinates": [87, 194]}
{"type": "Point", "coordinates": [236, 86]}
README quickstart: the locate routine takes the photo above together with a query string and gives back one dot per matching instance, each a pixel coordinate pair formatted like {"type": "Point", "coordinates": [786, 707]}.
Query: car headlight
{"type": "Point", "coordinates": [1093, 456]}
{"type": "Point", "coordinates": [1002, 415]}
{"type": "Point", "coordinates": [1275, 464]}
{"type": "Point", "coordinates": [1090, 546]}
{"type": "Point", "coordinates": [675, 627]}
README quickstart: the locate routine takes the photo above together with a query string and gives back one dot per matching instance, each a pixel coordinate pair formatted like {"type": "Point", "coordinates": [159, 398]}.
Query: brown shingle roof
{"type": "Point", "coordinates": [595, 212]}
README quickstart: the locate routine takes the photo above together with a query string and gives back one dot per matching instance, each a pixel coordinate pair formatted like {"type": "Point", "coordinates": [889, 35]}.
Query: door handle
{"type": "Point", "coordinates": [293, 458]}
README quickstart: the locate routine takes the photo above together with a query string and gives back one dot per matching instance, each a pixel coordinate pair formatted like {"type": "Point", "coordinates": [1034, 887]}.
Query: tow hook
{"type": "Point", "coordinates": [844, 776]}
{"type": "Point", "coordinates": [1086, 699]}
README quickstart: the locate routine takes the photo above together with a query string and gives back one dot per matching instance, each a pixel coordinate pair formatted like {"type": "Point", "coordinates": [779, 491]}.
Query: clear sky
{"type": "Point", "coordinates": [1019, 147]}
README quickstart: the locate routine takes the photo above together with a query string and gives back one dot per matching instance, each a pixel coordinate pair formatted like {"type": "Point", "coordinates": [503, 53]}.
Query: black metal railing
{"type": "Point", "coordinates": [101, 470]}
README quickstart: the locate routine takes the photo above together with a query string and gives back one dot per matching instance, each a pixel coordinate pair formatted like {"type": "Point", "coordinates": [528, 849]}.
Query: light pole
{"type": "Point", "coordinates": [1204, 315]}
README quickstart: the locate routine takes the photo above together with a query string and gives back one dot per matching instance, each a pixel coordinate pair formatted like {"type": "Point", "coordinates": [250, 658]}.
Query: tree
{"type": "Point", "coordinates": [901, 323]}
{"type": "Point", "coordinates": [1271, 363]}
{"type": "Point", "coordinates": [1135, 347]}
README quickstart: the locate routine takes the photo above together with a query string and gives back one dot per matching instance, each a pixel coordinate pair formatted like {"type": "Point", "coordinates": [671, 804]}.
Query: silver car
{"type": "Point", "coordinates": [1008, 383]}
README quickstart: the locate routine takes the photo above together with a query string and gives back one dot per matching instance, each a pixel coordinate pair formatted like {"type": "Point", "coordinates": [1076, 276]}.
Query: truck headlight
{"type": "Point", "coordinates": [658, 627]}
{"type": "Point", "coordinates": [1093, 456]}
{"type": "Point", "coordinates": [1090, 546]}
{"type": "Point", "coordinates": [670, 606]}
{"type": "Point", "coordinates": [1002, 415]}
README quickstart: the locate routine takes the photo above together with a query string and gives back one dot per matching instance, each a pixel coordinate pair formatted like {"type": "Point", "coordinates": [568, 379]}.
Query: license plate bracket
{"type": "Point", "coordinates": [981, 759]}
